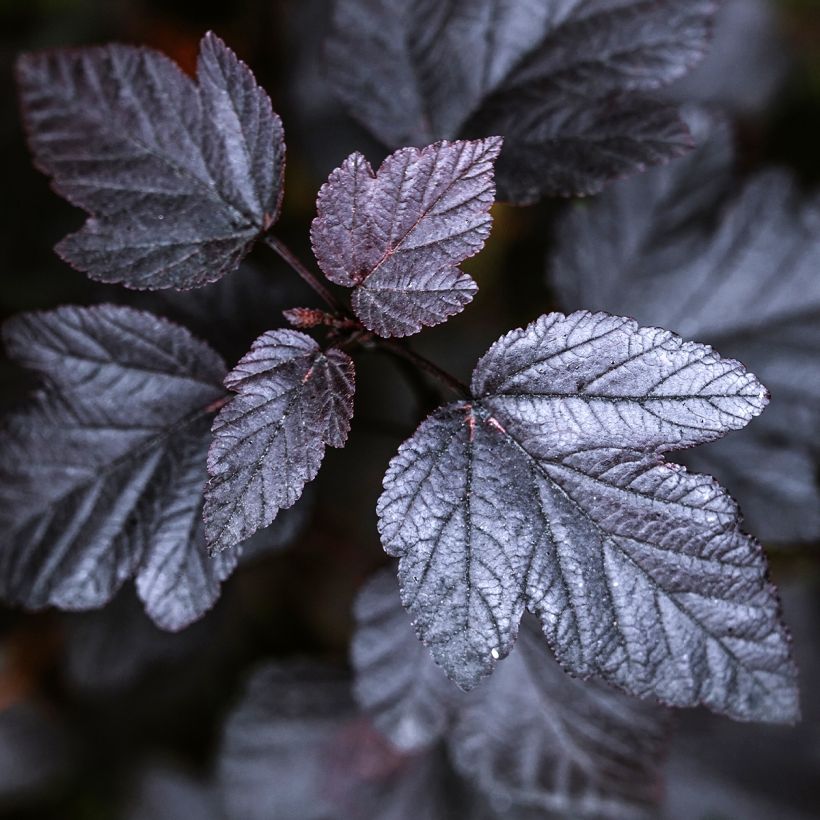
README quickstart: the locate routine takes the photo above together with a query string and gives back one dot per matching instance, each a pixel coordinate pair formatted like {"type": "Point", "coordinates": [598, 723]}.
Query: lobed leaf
{"type": "Point", "coordinates": [548, 491]}
{"type": "Point", "coordinates": [747, 284]}
{"type": "Point", "coordinates": [293, 399]}
{"type": "Point", "coordinates": [179, 178]}
{"type": "Point", "coordinates": [565, 83]}
{"type": "Point", "coordinates": [102, 472]}
{"type": "Point", "coordinates": [397, 236]}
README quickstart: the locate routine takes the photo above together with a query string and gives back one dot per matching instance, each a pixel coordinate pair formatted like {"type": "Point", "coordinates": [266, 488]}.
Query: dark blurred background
{"type": "Point", "coordinates": [90, 702]}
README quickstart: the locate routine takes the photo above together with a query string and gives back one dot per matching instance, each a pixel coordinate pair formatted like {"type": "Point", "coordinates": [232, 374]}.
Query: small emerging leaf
{"type": "Point", "coordinates": [398, 236]}
{"type": "Point", "coordinates": [548, 491]}
{"type": "Point", "coordinates": [102, 473]}
{"type": "Point", "coordinates": [293, 399]}
{"type": "Point", "coordinates": [179, 178]}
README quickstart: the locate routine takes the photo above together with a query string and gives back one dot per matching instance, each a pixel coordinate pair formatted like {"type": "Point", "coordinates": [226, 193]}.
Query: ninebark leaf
{"type": "Point", "coordinates": [398, 236]}
{"type": "Point", "coordinates": [295, 747]}
{"type": "Point", "coordinates": [293, 399]}
{"type": "Point", "coordinates": [530, 737]}
{"type": "Point", "coordinates": [544, 741]}
{"type": "Point", "coordinates": [102, 472]}
{"type": "Point", "coordinates": [548, 491]}
{"type": "Point", "coordinates": [409, 698]}
{"type": "Point", "coordinates": [179, 177]}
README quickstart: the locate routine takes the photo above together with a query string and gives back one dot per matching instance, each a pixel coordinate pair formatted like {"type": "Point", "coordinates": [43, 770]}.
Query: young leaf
{"type": "Point", "coordinates": [102, 473]}
{"type": "Point", "coordinates": [398, 236]}
{"type": "Point", "coordinates": [548, 490]}
{"type": "Point", "coordinates": [748, 285]}
{"type": "Point", "coordinates": [562, 82]}
{"type": "Point", "coordinates": [179, 178]}
{"type": "Point", "coordinates": [530, 736]}
{"type": "Point", "coordinates": [293, 399]}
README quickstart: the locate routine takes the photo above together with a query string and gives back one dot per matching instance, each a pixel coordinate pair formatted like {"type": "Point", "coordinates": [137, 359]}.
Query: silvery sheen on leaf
{"type": "Point", "coordinates": [178, 177]}
{"type": "Point", "coordinates": [293, 399]}
{"type": "Point", "coordinates": [567, 84]}
{"type": "Point", "coordinates": [102, 471]}
{"type": "Point", "coordinates": [548, 491]}
{"type": "Point", "coordinates": [397, 236]}
{"type": "Point", "coordinates": [742, 275]}
{"type": "Point", "coordinates": [530, 737]}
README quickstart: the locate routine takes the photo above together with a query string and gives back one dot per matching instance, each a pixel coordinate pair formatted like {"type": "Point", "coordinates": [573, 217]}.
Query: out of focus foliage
{"type": "Point", "coordinates": [104, 716]}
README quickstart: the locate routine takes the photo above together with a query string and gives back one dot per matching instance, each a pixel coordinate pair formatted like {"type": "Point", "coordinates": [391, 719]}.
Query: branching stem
{"type": "Point", "coordinates": [359, 332]}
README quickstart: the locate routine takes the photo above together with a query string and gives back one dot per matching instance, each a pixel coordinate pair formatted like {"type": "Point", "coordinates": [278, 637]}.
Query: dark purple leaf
{"type": "Point", "coordinates": [768, 771]}
{"type": "Point", "coordinates": [277, 742]}
{"type": "Point", "coordinates": [563, 82]}
{"type": "Point", "coordinates": [102, 472]}
{"type": "Point", "coordinates": [293, 399]}
{"type": "Point", "coordinates": [530, 737]}
{"type": "Point", "coordinates": [179, 177]}
{"type": "Point", "coordinates": [398, 236]}
{"type": "Point", "coordinates": [548, 491]}
{"type": "Point", "coordinates": [115, 647]}
{"type": "Point", "coordinates": [747, 284]}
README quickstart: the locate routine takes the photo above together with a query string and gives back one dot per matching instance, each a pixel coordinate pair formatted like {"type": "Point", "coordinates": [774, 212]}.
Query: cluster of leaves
{"type": "Point", "coordinates": [544, 486]}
